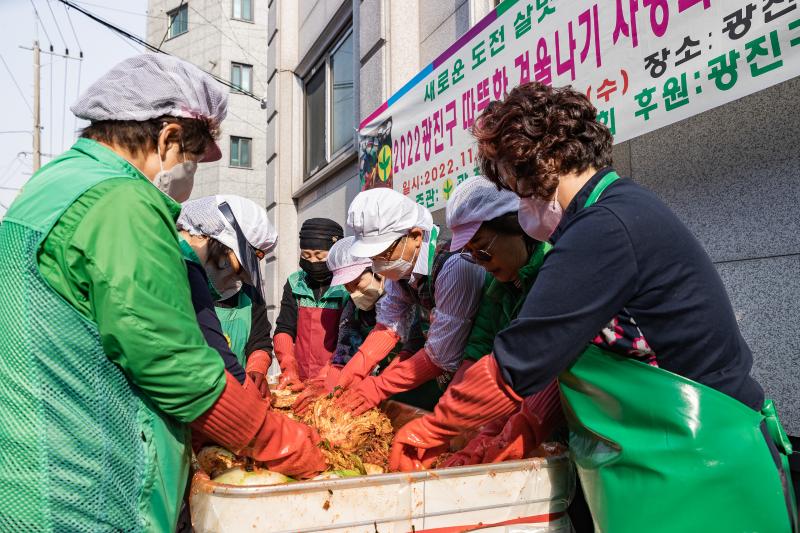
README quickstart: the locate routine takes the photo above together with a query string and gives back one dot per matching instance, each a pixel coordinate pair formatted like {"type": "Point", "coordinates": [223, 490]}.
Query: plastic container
{"type": "Point", "coordinates": [528, 495]}
{"type": "Point", "coordinates": [531, 495]}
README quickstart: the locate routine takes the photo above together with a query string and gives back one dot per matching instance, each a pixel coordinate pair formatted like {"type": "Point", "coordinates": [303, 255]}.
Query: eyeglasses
{"type": "Point", "coordinates": [389, 251]}
{"type": "Point", "coordinates": [473, 256]}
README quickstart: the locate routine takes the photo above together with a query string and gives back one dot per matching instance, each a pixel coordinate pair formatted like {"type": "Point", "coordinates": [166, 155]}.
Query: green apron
{"type": "Point", "coordinates": [236, 322]}
{"type": "Point", "coordinates": [91, 453]}
{"type": "Point", "coordinates": [656, 451]}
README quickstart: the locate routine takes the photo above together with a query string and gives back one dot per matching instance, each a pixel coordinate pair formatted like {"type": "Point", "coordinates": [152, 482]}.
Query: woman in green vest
{"type": "Point", "coordinates": [667, 429]}
{"type": "Point", "coordinates": [103, 368]}
{"type": "Point", "coordinates": [307, 327]}
{"type": "Point", "coordinates": [217, 234]}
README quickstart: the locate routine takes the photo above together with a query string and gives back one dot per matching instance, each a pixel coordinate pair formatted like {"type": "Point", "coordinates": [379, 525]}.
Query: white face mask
{"type": "Point", "coordinates": [540, 218]}
{"type": "Point", "coordinates": [366, 299]}
{"type": "Point", "coordinates": [178, 181]}
{"type": "Point", "coordinates": [223, 279]}
{"type": "Point", "coordinates": [397, 269]}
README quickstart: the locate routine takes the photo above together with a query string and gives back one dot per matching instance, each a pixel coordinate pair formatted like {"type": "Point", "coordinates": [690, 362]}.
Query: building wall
{"type": "Point", "coordinates": [731, 175]}
{"type": "Point", "coordinates": [213, 41]}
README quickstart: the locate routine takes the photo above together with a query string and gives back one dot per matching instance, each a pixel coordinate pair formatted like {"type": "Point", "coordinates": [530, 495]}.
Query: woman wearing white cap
{"type": "Point", "coordinates": [403, 243]}
{"type": "Point", "coordinates": [102, 363]}
{"type": "Point", "coordinates": [222, 239]}
{"type": "Point", "coordinates": [484, 223]}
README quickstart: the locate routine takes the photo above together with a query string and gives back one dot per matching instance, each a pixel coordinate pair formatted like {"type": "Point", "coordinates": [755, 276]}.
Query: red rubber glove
{"type": "Point", "coordinates": [515, 437]}
{"type": "Point", "coordinates": [475, 450]}
{"type": "Point", "coordinates": [257, 364]}
{"type": "Point", "coordinates": [399, 376]}
{"type": "Point", "coordinates": [284, 350]}
{"type": "Point", "coordinates": [475, 400]}
{"type": "Point", "coordinates": [375, 347]}
{"type": "Point", "coordinates": [538, 415]}
{"type": "Point", "coordinates": [243, 423]}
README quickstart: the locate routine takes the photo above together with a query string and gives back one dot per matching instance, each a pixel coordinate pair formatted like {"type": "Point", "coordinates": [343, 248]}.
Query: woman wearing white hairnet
{"type": "Point", "coordinates": [222, 239]}
{"type": "Point", "coordinates": [102, 364]}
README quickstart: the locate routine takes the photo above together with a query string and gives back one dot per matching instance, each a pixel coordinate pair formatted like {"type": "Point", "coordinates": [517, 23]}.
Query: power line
{"type": "Point", "coordinates": [74, 34]}
{"type": "Point", "coordinates": [150, 47]}
{"type": "Point", "coordinates": [233, 35]}
{"type": "Point", "coordinates": [58, 26]}
{"type": "Point", "coordinates": [169, 24]}
{"type": "Point", "coordinates": [36, 12]}
{"type": "Point", "coordinates": [11, 74]}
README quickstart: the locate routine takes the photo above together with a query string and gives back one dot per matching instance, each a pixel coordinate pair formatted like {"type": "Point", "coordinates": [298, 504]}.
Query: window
{"type": "Point", "coordinates": [178, 20]}
{"type": "Point", "coordinates": [329, 111]}
{"type": "Point", "coordinates": [243, 10]}
{"type": "Point", "coordinates": [242, 76]}
{"type": "Point", "coordinates": [240, 152]}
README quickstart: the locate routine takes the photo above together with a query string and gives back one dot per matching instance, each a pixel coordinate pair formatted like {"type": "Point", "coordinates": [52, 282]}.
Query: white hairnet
{"type": "Point", "coordinates": [154, 85]}
{"type": "Point", "coordinates": [474, 202]}
{"type": "Point", "coordinates": [379, 217]}
{"type": "Point", "coordinates": [203, 217]}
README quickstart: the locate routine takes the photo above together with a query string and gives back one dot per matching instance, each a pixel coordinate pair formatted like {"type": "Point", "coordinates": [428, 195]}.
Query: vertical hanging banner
{"type": "Point", "coordinates": [644, 64]}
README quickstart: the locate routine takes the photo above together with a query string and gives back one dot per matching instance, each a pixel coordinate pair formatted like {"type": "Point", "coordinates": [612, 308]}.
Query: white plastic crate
{"type": "Point", "coordinates": [531, 495]}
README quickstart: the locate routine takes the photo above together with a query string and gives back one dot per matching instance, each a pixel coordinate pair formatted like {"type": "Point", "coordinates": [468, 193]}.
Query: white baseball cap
{"type": "Point", "coordinates": [149, 86]}
{"type": "Point", "coordinates": [343, 265]}
{"type": "Point", "coordinates": [472, 203]}
{"type": "Point", "coordinates": [380, 216]}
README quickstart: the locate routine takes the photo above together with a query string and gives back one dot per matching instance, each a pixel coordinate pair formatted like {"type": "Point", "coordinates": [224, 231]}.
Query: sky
{"type": "Point", "coordinates": [102, 49]}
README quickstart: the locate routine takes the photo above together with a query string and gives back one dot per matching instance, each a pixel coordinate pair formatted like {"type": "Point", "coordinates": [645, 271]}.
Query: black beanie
{"type": "Point", "coordinates": [319, 234]}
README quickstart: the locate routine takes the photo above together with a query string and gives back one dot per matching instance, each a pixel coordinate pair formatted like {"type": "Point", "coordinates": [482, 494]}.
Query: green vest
{"type": "Point", "coordinates": [82, 448]}
{"type": "Point", "coordinates": [236, 324]}
{"type": "Point", "coordinates": [658, 452]}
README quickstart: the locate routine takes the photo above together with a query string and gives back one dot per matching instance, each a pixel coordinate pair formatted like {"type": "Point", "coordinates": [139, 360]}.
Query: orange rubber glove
{"type": "Point", "coordinates": [399, 376]}
{"type": "Point", "coordinates": [517, 436]}
{"type": "Point", "coordinates": [475, 450]}
{"type": "Point", "coordinates": [481, 396]}
{"type": "Point", "coordinates": [257, 364]}
{"type": "Point", "coordinates": [284, 351]}
{"type": "Point", "coordinates": [316, 387]}
{"type": "Point", "coordinates": [375, 347]}
{"type": "Point", "coordinates": [243, 423]}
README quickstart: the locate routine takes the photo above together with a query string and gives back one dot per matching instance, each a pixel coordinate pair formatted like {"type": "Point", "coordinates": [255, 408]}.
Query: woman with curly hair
{"type": "Point", "coordinates": [630, 314]}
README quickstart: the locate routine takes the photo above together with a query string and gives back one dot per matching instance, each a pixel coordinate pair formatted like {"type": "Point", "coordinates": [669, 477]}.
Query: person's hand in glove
{"type": "Point", "coordinates": [375, 347]}
{"type": "Point", "coordinates": [516, 437]}
{"type": "Point", "coordinates": [478, 398]}
{"type": "Point", "coordinates": [536, 419]}
{"type": "Point", "coordinates": [401, 375]}
{"type": "Point", "coordinates": [241, 421]}
{"type": "Point", "coordinates": [257, 364]}
{"type": "Point", "coordinates": [284, 351]}
{"type": "Point", "coordinates": [475, 450]}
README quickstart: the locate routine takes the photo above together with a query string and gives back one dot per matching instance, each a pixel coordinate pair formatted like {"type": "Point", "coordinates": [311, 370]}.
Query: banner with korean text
{"type": "Point", "coordinates": [643, 63]}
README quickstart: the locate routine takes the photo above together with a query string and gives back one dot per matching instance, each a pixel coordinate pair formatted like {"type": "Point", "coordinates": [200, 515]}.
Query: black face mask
{"type": "Point", "coordinates": [317, 271]}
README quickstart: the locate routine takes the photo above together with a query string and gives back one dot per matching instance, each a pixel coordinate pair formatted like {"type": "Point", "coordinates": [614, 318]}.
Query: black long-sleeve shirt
{"type": "Point", "coordinates": [627, 255]}
{"type": "Point", "coordinates": [207, 318]}
{"type": "Point", "coordinates": [287, 318]}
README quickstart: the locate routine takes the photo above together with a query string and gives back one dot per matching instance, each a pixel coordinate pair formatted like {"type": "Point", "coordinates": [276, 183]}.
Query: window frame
{"type": "Point", "coordinates": [239, 151]}
{"type": "Point", "coordinates": [325, 62]}
{"type": "Point", "coordinates": [242, 90]}
{"type": "Point", "coordinates": [252, 18]}
{"type": "Point", "coordinates": [172, 15]}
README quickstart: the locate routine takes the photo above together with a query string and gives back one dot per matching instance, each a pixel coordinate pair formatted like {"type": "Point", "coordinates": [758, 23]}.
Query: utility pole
{"type": "Point", "coordinates": [37, 129]}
